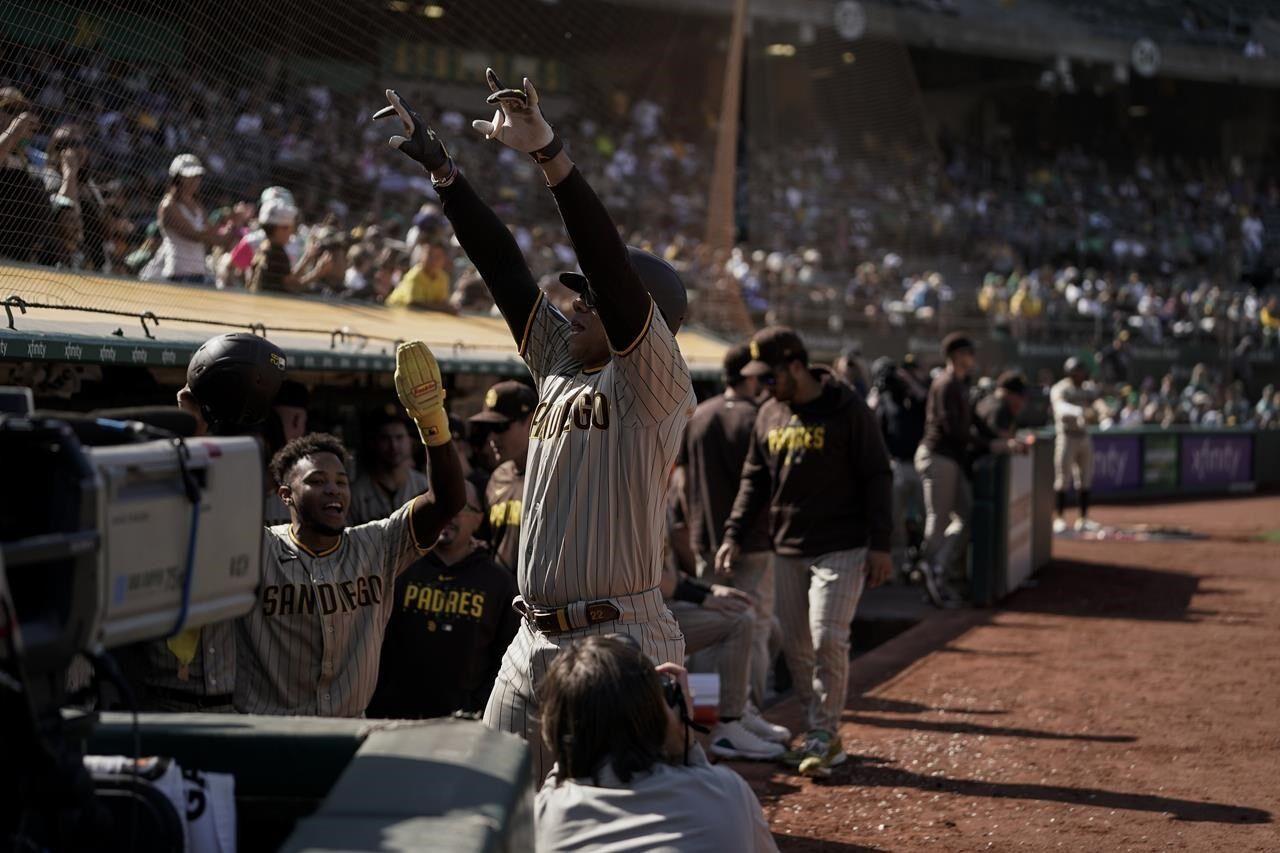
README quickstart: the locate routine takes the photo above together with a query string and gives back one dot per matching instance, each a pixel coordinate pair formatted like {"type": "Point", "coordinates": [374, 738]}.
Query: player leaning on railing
{"type": "Point", "coordinates": [614, 397]}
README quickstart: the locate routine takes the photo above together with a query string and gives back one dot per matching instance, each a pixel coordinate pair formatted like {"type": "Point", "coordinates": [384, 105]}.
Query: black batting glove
{"type": "Point", "coordinates": [419, 141]}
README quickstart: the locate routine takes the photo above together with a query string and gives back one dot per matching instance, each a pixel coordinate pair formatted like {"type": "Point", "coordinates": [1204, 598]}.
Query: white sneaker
{"type": "Point", "coordinates": [1059, 525]}
{"type": "Point", "coordinates": [733, 740]}
{"type": "Point", "coordinates": [1084, 524]}
{"type": "Point", "coordinates": [765, 730]}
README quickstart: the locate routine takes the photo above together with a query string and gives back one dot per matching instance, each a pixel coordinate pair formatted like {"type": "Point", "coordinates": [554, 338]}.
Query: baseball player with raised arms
{"type": "Point", "coordinates": [312, 644]}
{"type": "Point", "coordinates": [614, 398]}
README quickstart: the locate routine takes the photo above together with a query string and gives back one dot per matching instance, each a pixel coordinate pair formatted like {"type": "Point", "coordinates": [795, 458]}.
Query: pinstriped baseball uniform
{"type": "Point", "coordinates": [211, 673]}
{"type": "Point", "coordinates": [312, 644]}
{"type": "Point", "coordinates": [817, 597]}
{"type": "Point", "coordinates": [1072, 447]}
{"type": "Point", "coordinates": [601, 446]}
{"type": "Point", "coordinates": [732, 635]}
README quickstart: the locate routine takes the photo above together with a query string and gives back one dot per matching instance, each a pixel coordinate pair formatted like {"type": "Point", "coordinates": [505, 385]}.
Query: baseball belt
{"type": "Point", "coordinates": [571, 617]}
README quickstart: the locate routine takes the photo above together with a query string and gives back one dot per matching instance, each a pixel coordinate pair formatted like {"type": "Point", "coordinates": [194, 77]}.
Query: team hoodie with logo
{"type": "Point", "coordinates": [823, 471]}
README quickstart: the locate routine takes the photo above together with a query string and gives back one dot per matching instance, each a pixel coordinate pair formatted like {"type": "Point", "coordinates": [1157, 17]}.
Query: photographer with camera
{"type": "Point", "coordinates": [626, 774]}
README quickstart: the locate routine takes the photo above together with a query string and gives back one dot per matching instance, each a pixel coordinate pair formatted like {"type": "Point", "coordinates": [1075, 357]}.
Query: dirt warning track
{"type": "Point", "coordinates": [1130, 701]}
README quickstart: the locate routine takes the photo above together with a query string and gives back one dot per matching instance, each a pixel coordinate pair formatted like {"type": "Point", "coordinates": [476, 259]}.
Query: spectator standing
{"type": "Point", "coordinates": [272, 270]}
{"type": "Point", "coordinates": [182, 223]}
{"type": "Point", "coordinates": [26, 218]}
{"type": "Point", "coordinates": [714, 449]}
{"type": "Point", "coordinates": [391, 478]}
{"type": "Point", "coordinates": [626, 776]}
{"type": "Point", "coordinates": [77, 200]}
{"type": "Point", "coordinates": [450, 625]}
{"type": "Point", "coordinates": [952, 438]}
{"type": "Point", "coordinates": [818, 462]}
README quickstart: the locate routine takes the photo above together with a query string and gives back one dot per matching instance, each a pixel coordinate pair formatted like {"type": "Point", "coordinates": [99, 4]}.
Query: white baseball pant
{"type": "Point", "coordinates": [513, 705]}
{"type": "Point", "coordinates": [1072, 461]}
{"type": "Point", "coordinates": [753, 573]}
{"type": "Point", "coordinates": [730, 634]}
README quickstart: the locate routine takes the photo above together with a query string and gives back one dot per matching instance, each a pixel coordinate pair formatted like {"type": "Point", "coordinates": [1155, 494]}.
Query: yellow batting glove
{"type": "Point", "coordinates": [421, 392]}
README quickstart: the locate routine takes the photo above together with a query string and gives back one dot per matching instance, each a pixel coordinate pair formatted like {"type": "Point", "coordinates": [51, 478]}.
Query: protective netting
{"type": "Point", "coordinates": [890, 174]}
{"type": "Point", "coordinates": [106, 105]}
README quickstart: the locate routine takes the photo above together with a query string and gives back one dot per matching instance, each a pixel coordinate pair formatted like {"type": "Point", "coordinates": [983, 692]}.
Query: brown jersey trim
{"type": "Point", "coordinates": [413, 534]}
{"type": "Point", "coordinates": [644, 330]}
{"type": "Point", "coordinates": [528, 324]}
{"type": "Point", "coordinates": [324, 553]}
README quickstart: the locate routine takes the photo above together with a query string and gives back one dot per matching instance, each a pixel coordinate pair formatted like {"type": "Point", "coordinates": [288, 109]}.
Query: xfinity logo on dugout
{"type": "Point", "coordinates": [1214, 460]}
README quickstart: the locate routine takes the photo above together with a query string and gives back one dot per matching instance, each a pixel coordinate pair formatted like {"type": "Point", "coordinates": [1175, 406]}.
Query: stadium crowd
{"type": "Point", "coordinates": [134, 178]}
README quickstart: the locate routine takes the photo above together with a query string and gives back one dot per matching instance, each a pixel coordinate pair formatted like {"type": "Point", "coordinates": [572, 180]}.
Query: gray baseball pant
{"type": "Point", "coordinates": [948, 501]}
{"type": "Point", "coordinates": [817, 597]}
{"type": "Point", "coordinates": [908, 500]}
{"type": "Point", "coordinates": [753, 573]}
{"type": "Point", "coordinates": [730, 634]}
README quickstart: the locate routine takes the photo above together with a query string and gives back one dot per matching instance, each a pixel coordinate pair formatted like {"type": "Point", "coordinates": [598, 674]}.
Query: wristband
{"type": "Point", "coordinates": [433, 427]}
{"type": "Point", "coordinates": [447, 179]}
{"type": "Point", "coordinates": [548, 151]}
{"type": "Point", "coordinates": [687, 590]}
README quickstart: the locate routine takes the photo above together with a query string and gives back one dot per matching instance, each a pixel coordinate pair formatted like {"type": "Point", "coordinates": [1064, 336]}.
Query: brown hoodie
{"type": "Point", "coordinates": [823, 471]}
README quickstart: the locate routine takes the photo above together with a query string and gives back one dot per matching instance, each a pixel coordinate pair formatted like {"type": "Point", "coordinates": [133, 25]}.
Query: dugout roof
{"type": "Point", "coordinates": [100, 319]}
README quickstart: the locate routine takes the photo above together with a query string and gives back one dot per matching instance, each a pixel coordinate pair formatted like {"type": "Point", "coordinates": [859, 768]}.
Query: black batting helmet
{"type": "Point", "coordinates": [235, 378]}
{"type": "Point", "coordinates": [659, 278]}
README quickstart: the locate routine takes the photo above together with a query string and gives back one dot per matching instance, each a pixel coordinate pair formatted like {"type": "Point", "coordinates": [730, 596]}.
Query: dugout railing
{"type": "Point", "coordinates": [311, 784]}
{"type": "Point", "coordinates": [1012, 521]}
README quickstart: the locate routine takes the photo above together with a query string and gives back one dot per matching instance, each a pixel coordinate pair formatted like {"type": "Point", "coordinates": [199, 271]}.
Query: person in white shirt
{"type": "Point", "coordinates": [183, 225]}
{"type": "Point", "coordinates": [628, 776]}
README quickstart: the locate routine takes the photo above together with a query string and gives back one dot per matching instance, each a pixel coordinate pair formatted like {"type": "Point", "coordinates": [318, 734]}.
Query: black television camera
{"type": "Point", "coordinates": [117, 528]}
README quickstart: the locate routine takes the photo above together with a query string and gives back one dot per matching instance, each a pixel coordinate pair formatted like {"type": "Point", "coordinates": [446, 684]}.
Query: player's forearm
{"type": "Point", "coordinates": [493, 250]}
{"type": "Point", "coordinates": [621, 299]}
{"type": "Point", "coordinates": [446, 496]}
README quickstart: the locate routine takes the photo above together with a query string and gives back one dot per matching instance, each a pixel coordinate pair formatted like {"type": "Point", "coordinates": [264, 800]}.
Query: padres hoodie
{"type": "Point", "coordinates": [823, 470]}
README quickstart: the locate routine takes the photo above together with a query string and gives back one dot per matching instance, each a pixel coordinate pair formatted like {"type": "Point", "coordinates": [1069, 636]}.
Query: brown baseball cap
{"type": "Point", "coordinates": [506, 401]}
{"type": "Point", "coordinates": [735, 358]}
{"type": "Point", "coordinates": [771, 347]}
